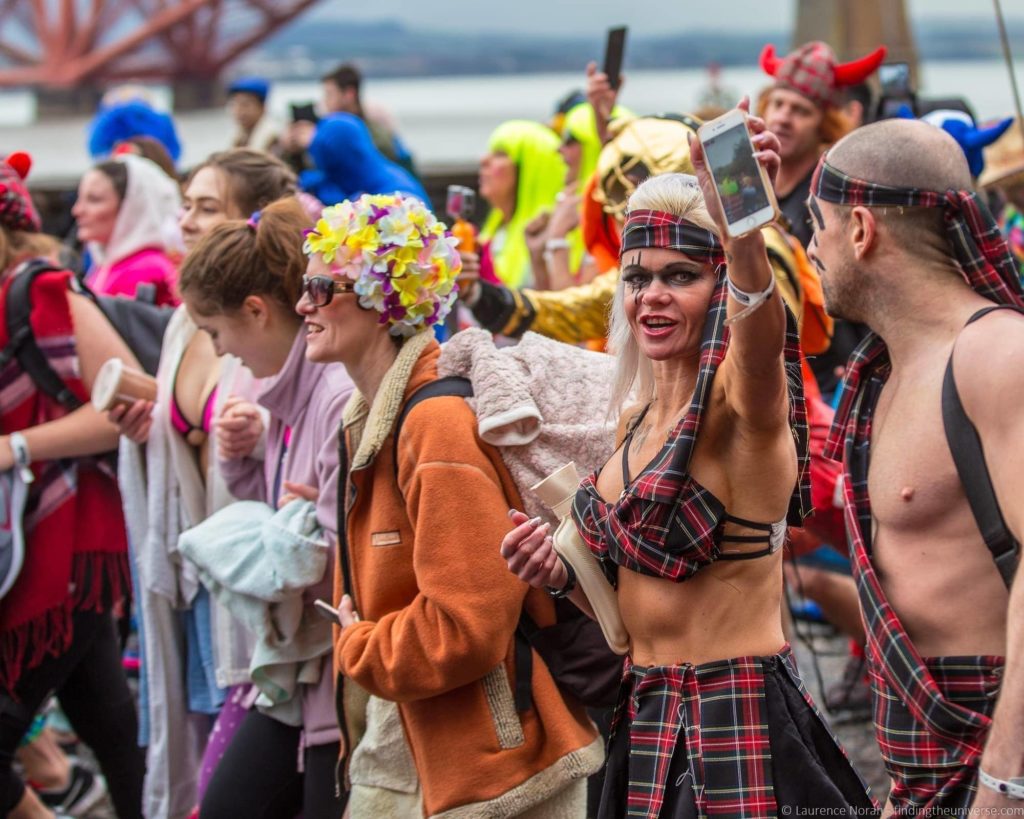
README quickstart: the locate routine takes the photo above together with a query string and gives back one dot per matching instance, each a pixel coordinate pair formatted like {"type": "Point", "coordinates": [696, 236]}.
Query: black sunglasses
{"type": "Point", "coordinates": [321, 289]}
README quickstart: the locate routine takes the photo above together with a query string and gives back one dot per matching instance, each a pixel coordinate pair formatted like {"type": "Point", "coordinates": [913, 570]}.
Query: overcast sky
{"type": "Point", "coordinates": [646, 17]}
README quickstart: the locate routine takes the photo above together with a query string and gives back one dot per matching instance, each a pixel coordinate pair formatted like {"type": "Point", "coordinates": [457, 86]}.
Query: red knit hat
{"type": "Point", "coordinates": [16, 209]}
{"type": "Point", "coordinates": [812, 70]}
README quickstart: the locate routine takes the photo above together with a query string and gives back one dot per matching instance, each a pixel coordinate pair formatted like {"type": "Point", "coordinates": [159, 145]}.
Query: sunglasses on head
{"type": "Point", "coordinates": [321, 289]}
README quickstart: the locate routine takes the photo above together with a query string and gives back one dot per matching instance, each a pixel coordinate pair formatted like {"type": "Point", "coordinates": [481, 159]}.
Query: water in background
{"type": "Point", "coordinates": [446, 120]}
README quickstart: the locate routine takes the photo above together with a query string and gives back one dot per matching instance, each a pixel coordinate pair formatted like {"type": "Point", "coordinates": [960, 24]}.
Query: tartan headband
{"type": "Point", "coordinates": [655, 228]}
{"type": "Point", "coordinates": [977, 242]}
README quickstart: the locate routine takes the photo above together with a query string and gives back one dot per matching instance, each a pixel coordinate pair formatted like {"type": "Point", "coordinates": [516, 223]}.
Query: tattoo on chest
{"type": "Point", "coordinates": [640, 437]}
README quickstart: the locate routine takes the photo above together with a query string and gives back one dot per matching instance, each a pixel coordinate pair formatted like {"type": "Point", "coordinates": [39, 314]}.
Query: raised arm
{"type": "Point", "coordinates": [753, 372]}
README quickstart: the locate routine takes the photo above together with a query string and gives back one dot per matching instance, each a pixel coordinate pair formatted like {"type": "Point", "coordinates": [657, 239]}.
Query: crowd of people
{"type": "Point", "coordinates": [318, 513]}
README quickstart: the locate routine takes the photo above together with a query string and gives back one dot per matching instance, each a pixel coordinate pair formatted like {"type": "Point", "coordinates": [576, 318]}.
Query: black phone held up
{"type": "Point", "coordinates": [304, 112]}
{"type": "Point", "coordinates": [613, 51]}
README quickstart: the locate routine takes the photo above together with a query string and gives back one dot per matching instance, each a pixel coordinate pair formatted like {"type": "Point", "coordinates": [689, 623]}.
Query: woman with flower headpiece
{"type": "Point", "coordinates": [240, 285]}
{"type": "Point", "coordinates": [433, 643]}
{"type": "Point", "coordinates": [687, 523]}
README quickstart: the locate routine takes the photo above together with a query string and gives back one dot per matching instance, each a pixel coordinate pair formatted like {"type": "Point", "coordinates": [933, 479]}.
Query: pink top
{"type": "Point", "coordinates": [146, 266]}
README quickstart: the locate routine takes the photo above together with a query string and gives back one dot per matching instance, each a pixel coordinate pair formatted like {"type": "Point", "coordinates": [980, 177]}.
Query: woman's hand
{"type": "Point", "coordinates": [239, 428]}
{"type": "Point", "coordinates": [530, 553]}
{"type": "Point", "coordinates": [347, 614]}
{"type": "Point", "coordinates": [566, 215]}
{"type": "Point", "coordinates": [766, 152]}
{"type": "Point", "coordinates": [133, 421]}
{"type": "Point", "coordinates": [536, 233]}
{"type": "Point", "coordinates": [297, 491]}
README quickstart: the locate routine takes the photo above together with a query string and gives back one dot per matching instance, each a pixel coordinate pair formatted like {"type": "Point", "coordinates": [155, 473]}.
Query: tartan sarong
{"type": "Point", "coordinates": [665, 524]}
{"type": "Point", "coordinates": [701, 735]}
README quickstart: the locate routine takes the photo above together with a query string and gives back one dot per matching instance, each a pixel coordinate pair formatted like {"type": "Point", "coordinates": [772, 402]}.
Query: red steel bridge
{"type": "Point", "coordinates": [67, 44]}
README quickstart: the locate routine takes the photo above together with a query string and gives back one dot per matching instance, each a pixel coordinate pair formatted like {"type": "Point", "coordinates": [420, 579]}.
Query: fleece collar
{"type": "Point", "coordinates": [371, 425]}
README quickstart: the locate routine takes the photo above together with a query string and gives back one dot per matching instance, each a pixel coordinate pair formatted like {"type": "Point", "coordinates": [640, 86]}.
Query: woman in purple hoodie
{"type": "Point", "coordinates": [240, 285]}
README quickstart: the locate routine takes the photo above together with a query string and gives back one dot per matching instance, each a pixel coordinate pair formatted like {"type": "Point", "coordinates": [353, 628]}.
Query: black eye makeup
{"type": "Point", "coordinates": [637, 278]}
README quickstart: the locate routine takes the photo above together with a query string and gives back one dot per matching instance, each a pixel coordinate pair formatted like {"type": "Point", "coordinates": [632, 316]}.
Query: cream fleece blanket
{"type": "Point", "coordinates": [542, 403]}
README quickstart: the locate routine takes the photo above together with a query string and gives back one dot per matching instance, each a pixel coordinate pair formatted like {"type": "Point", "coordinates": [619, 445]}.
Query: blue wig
{"type": "Point", "coordinates": [124, 120]}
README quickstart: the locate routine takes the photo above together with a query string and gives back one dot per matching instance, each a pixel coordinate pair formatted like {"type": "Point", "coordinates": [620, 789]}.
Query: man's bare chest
{"type": "Point", "coordinates": [912, 481]}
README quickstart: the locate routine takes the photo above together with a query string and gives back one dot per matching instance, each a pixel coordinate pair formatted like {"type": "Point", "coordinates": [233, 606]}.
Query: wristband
{"type": "Point", "coordinates": [22, 456]}
{"type": "Point", "coordinates": [750, 301]}
{"type": "Point", "coordinates": [570, 582]}
{"type": "Point", "coordinates": [556, 244]}
{"type": "Point", "coordinates": [1010, 788]}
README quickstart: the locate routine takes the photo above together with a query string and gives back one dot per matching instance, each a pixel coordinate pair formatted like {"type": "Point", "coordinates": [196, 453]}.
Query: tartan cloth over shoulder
{"type": "Point", "coordinates": [931, 714]}
{"type": "Point", "coordinates": [665, 523]}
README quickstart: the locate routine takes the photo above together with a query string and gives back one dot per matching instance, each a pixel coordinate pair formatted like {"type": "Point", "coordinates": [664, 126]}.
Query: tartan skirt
{"type": "Point", "coordinates": [932, 774]}
{"type": "Point", "coordinates": [730, 738]}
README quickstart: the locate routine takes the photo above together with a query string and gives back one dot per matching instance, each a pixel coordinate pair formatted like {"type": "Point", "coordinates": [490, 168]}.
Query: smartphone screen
{"type": "Point", "coordinates": [613, 52]}
{"type": "Point", "coordinates": [461, 202]}
{"type": "Point", "coordinates": [894, 79]}
{"type": "Point", "coordinates": [731, 159]}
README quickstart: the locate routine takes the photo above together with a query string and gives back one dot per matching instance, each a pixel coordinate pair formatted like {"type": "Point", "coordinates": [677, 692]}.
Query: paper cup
{"type": "Point", "coordinates": [117, 383]}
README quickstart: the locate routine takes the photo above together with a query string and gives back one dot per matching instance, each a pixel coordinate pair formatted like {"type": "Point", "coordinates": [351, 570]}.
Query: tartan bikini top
{"type": "Point", "coordinates": [666, 524]}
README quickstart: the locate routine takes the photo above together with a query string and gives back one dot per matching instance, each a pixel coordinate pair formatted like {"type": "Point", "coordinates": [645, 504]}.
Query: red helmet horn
{"type": "Point", "coordinates": [856, 71]}
{"type": "Point", "coordinates": [21, 162]}
{"type": "Point", "coordinates": [769, 62]}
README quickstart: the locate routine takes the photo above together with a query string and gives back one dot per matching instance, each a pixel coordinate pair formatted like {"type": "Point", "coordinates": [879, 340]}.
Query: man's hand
{"type": "Point", "coordinates": [298, 135]}
{"type": "Point", "coordinates": [6, 453]}
{"type": "Point", "coordinates": [601, 97]}
{"type": "Point", "coordinates": [239, 428]}
{"type": "Point", "coordinates": [134, 421]}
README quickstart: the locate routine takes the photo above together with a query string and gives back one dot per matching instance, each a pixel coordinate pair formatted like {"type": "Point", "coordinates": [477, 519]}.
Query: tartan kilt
{"type": "Point", "coordinates": [931, 775]}
{"type": "Point", "coordinates": [736, 738]}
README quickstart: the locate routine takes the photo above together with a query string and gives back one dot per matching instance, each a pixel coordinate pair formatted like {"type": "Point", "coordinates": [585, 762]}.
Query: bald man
{"type": "Point", "coordinates": [928, 273]}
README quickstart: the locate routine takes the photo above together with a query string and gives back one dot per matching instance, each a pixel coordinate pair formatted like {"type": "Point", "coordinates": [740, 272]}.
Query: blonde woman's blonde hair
{"type": "Point", "coordinates": [677, 194]}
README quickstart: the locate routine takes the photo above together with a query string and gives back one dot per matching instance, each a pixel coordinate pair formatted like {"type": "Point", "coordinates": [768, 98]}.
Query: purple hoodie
{"type": "Point", "coordinates": [308, 400]}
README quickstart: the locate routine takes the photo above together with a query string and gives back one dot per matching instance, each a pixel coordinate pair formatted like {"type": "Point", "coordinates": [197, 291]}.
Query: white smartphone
{"type": "Point", "coordinates": [327, 611]}
{"type": "Point", "coordinates": [744, 189]}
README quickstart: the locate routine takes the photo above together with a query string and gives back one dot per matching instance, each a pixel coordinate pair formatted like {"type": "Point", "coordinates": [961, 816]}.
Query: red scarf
{"type": "Point", "coordinates": [76, 547]}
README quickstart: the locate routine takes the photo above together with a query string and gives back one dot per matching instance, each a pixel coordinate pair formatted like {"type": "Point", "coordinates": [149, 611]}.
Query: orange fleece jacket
{"type": "Point", "coordinates": [440, 609]}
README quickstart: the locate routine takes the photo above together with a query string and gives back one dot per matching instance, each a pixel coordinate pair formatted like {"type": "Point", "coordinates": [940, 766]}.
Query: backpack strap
{"type": "Point", "coordinates": [450, 385]}
{"type": "Point", "coordinates": [969, 458]}
{"type": "Point", "coordinates": [22, 341]}
{"type": "Point", "coordinates": [457, 385]}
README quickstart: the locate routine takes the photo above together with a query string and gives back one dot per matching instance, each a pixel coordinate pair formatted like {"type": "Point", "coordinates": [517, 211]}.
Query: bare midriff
{"type": "Point", "coordinates": [729, 609]}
